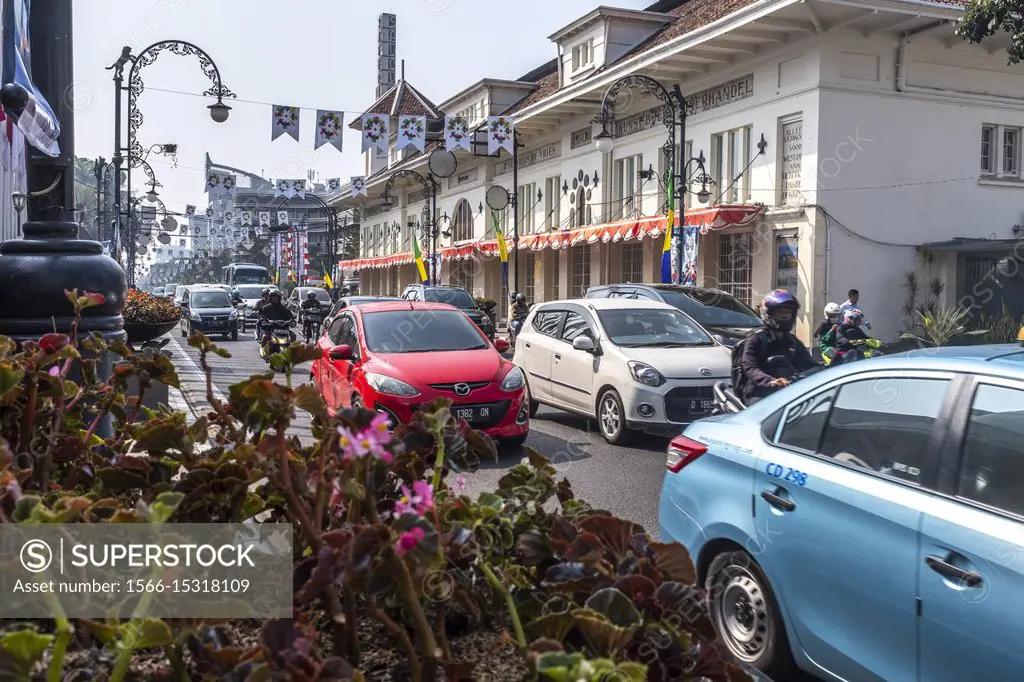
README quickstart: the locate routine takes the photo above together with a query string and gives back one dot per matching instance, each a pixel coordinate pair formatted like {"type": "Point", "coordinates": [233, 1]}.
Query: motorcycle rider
{"type": "Point", "coordinates": [273, 311]}
{"type": "Point", "coordinates": [753, 377]}
{"type": "Point", "coordinates": [311, 304]}
{"type": "Point", "coordinates": [520, 310]}
{"type": "Point", "coordinates": [850, 334]}
{"type": "Point", "coordinates": [826, 331]}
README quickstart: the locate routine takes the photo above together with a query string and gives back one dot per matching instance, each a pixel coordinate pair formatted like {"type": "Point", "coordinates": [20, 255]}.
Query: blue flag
{"type": "Point", "coordinates": [37, 122]}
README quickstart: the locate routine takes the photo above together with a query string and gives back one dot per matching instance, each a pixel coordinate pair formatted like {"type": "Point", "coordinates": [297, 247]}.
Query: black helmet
{"type": "Point", "coordinates": [520, 298]}
{"type": "Point", "coordinates": [311, 295]}
{"type": "Point", "coordinates": [774, 302]}
{"type": "Point", "coordinates": [266, 292]}
{"type": "Point", "coordinates": [275, 292]}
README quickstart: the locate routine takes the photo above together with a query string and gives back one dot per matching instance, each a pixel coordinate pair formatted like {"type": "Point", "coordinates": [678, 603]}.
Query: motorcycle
{"type": "Point", "coordinates": [312, 321]}
{"type": "Point", "coordinates": [727, 402]}
{"type": "Point", "coordinates": [862, 350]}
{"type": "Point", "coordinates": [281, 337]}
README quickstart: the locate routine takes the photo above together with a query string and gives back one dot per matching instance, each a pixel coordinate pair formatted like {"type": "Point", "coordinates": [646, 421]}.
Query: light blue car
{"type": "Point", "coordinates": [866, 523]}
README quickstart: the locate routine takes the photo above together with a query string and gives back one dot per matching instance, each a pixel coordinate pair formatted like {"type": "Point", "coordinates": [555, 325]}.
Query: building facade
{"type": "Point", "coordinates": [848, 143]}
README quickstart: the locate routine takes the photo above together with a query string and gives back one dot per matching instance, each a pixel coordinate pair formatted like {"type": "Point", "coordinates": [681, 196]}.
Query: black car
{"type": "Point", "coordinates": [453, 296]}
{"type": "Point", "coordinates": [208, 310]}
{"type": "Point", "coordinates": [349, 301]}
{"type": "Point", "coordinates": [720, 313]}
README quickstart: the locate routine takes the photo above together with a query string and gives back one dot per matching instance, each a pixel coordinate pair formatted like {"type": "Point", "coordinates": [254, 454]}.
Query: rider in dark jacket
{"type": "Point", "coordinates": [850, 332]}
{"type": "Point", "coordinates": [274, 311]}
{"type": "Point", "coordinates": [757, 378]}
{"type": "Point", "coordinates": [311, 304]}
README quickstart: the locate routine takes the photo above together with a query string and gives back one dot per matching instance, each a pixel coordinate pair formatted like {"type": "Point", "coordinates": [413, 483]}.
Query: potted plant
{"type": "Point", "coordinates": [147, 317]}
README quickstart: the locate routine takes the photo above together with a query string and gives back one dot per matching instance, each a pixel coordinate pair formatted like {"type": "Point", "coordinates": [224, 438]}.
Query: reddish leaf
{"type": "Point", "coordinates": [615, 533]}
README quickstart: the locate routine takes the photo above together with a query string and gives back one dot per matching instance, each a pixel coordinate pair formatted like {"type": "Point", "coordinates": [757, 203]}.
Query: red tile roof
{"type": "Point", "coordinates": [401, 100]}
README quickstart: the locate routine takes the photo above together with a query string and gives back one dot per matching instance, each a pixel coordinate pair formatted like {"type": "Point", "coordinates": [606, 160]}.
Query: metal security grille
{"type": "Point", "coordinates": [462, 276]}
{"type": "Point", "coordinates": [529, 288]}
{"type": "Point", "coordinates": [734, 264]}
{"type": "Point", "coordinates": [979, 269]}
{"type": "Point", "coordinates": [633, 263]}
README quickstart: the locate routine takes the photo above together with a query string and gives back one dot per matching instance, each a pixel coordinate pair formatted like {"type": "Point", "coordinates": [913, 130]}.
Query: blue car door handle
{"type": "Point", "coordinates": [777, 501]}
{"type": "Point", "coordinates": [947, 570]}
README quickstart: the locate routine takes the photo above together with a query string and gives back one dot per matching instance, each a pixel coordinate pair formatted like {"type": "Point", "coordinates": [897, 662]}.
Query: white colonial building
{"type": "Point", "coordinates": [850, 141]}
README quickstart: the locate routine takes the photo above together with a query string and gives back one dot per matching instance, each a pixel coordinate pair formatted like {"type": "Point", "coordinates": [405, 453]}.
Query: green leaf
{"type": "Point", "coordinates": [25, 646]}
{"type": "Point", "coordinates": [147, 633]}
{"type": "Point", "coordinates": [119, 480]}
{"type": "Point", "coordinates": [25, 508]}
{"type": "Point", "coordinates": [604, 636]}
{"type": "Point", "coordinates": [10, 378]}
{"type": "Point", "coordinates": [491, 500]}
{"type": "Point", "coordinates": [615, 606]}
{"type": "Point", "coordinates": [107, 634]}
{"type": "Point", "coordinates": [307, 398]}
{"type": "Point", "coordinates": [163, 507]}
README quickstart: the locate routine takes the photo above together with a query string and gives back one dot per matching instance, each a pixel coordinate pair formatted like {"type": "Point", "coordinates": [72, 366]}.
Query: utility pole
{"type": "Point", "coordinates": [100, 171]}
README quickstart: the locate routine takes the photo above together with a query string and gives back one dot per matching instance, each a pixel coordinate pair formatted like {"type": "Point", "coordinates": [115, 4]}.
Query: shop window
{"type": "Point", "coordinates": [462, 222]}
{"type": "Point", "coordinates": [527, 262]}
{"type": "Point", "coordinates": [580, 271]}
{"type": "Point", "coordinates": [633, 263]}
{"type": "Point", "coordinates": [735, 253]}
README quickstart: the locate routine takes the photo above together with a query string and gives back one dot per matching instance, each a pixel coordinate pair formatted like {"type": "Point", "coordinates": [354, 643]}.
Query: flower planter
{"type": "Point", "coordinates": [140, 332]}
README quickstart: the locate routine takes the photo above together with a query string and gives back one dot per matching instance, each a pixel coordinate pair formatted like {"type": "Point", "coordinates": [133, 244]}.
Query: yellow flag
{"type": "Point", "coordinates": [328, 281]}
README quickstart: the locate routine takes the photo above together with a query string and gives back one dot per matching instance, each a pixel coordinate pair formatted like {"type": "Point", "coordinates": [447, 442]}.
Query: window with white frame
{"type": "Point", "coordinates": [461, 275]}
{"type": "Point", "coordinates": [735, 252]}
{"type": "Point", "coordinates": [527, 201]}
{"type": "Point", "coordinates": [583, 55]}
{"type": "Point", "coordinates": [580, 272]}
{"type": "Point", "coordinates": [730, 159]}
{"type": "Point", "coordinates": [393, 281]}
{"type": "Point", "coordinates": [556, 275]}
{"type": "Point", "coordinates": [462, 222]}
{"type": "Point", "coordinates": [395, 234]}
{"type": "Point", "coordinates": [626, 187]}
{"type": "Point", "coordinates": [552, 202]}
{"type": "Point", "coordinates": [1001, 151]}
{"type": "Point", "coordinates": [633, 262]}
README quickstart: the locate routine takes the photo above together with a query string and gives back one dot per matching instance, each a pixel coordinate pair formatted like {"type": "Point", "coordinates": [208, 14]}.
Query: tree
{"type": "Point", "coordinates": [985, 18]}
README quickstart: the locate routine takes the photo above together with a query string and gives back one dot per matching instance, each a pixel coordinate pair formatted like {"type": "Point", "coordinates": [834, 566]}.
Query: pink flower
{"type": "Point", "coordinates": [380, 429]}
{"type": "Point", "coordinates": [54, 371]}
{"type": "Point", "coordinates": [417, 501]}
{"type": "Point", "coordinates": [368, 442]}
{"type": "Point", "coordinates": [409, 540]}
{"type": "Point", "coordinates": [460, 482]}
{"type": "Point", "coordinates": [351, 445]}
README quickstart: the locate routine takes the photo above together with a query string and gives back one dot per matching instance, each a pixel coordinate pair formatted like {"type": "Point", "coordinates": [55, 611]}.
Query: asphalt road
{"type": "Point", "coordinates": [623, 480]}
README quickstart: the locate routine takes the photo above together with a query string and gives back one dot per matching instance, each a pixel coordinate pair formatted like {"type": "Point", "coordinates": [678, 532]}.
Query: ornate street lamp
{"type": "Point", "coordinates": [136, 155]}
{"type": "Point", "coordinates": [430, 188]}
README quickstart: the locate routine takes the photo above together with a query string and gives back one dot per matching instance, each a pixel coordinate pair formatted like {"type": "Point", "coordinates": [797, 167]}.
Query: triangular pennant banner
{"type": "Point", "coordinates": [246, 218]}
{"type": "Point", "coordinates": [190, 211]}
{"type": "Point", "coordinates": [359, 186]}
{"type": "Point", "coordinates": [412, 132]}
{"type": "Point", "coordinates": [329, 128]}
{"type": "Point", "coordinates": [282, 218]}
{"type": "Point", "coordinates": [264, 219]}
{"type": "Point", "coordinates": [299, 187]}
{"type": "Point", "coordinates": [456, 133]}
{"type": "Point", "coordinates": [333, 184]}
{"type": "Point", "coordinates": [285, 121]}
{"type": "Point", "coordinates": [376, 129]}
{"type": "Point", "coordinates": [500, 134]}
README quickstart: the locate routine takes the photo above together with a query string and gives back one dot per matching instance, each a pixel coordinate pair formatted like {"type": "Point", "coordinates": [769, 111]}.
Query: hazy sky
{"type": "Point", "coordinates": [307, 53]}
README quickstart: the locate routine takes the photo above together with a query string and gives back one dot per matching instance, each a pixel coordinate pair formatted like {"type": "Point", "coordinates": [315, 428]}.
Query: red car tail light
{"type": "Point", "coordinates": [683, 451]}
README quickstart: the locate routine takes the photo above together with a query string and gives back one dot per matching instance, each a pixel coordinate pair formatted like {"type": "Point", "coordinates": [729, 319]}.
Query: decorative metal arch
{"type": "Point", "coordinates": [148, 170]}
{"type": "Point", "coordinates": [646, 86]}
{"type": "Point", "coordinates": [136, 86]}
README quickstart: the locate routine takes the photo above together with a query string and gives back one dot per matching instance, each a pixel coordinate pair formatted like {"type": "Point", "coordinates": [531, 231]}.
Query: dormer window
{"type": "Point", "coordinates": [583, 56]}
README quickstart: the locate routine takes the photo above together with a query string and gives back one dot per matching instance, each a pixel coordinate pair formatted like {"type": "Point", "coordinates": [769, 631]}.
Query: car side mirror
{"type": "Point", "coordinates": [584, 343]}
{"type": "Point", "coordinates": [719, 339]}
{"type": "Point", "coordinates": [501, 345]}
{"type": "Point", "coordinates": [342, 352]}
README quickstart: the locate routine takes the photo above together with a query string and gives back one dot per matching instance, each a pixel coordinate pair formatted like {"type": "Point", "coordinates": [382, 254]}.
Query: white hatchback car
{"type": "Point", "coordinates": [632, 365]}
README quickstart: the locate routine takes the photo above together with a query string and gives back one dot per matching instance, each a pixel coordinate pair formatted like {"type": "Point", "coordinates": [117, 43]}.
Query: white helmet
{"type": "Point", "coordinates": [832, 309]}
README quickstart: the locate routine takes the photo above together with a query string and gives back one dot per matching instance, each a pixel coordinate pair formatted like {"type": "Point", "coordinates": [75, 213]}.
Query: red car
{"type": "Point", "coordinates": [394, 356]}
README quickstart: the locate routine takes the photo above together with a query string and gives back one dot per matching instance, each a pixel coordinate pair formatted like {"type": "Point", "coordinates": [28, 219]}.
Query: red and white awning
{"type": "Point", "coordinates": [707, 219]}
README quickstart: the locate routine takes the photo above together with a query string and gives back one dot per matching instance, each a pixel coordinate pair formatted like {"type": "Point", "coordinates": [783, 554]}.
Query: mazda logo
{"type": "Point", "coordinates": [462, 389]}
{"type": "Point", "coordinates": [705, 372]}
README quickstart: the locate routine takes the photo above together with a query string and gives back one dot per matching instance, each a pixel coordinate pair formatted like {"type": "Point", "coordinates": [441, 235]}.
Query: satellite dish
{"type": "Point", "coordinates": [442, 163]}
{"type": "Point", "coordinates": [497, 198]}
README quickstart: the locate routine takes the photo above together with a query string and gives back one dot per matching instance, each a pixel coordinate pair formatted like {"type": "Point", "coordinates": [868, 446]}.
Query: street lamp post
{"type": "Point", "coordinates": [674, 114]}
{"type": "Point", "coordinates": [430, 210]}
{"type": "Point", "coordinates": [136, 155]}
{"type": "Point", "coordinates": [331, 214]}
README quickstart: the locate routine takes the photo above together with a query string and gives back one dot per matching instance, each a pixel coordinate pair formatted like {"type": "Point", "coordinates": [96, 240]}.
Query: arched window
{"type": "Point", "coordinates": [462, 222]}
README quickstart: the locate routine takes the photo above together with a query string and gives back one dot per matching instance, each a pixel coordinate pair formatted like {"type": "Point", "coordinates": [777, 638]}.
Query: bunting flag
{"type": "Point", "coordinates": [500, 134]}
{"type": "Point", "coordinates": [327, 280]}
{"type": "Point", "coordinates": [329, 128]}
{"type": "Point", "coordinates": [220, 184]}
{"type": "Point", "coordinates": [247, 218]}
{"type": "Point", "coordinates": [333, 185]}
{"type": "Point", "coordinates": [668, 263]}
{"type": "Point", "coordinates": [412, 132]}
{"type": "Point", "coordinates": [456, 134]}
{"type": "Point", "coordinates": [36, 121]}
{"type": "Point", "coordinates": [359, 187]}
{"type": "Point", "coordinates": [284, 121]}
{"type": "Point", "coordinates": [190, 211]}
{"type": "Point", "coordinates": [417, 256]}
{"type": "Point", "coordinates": [282, 218]}
{"type": "Point", "coordinates": [264, 218]}
{"type": "Point", "coordinates": [376, 129]}
{"type": "Point", "coordinates": [299, 187]}
{"type": "Point", "coordinates": [209, 213]}
{"type": "Point", "coordinates": [502, 246]}
{"type": "Point", "coordinates": [283, 188]}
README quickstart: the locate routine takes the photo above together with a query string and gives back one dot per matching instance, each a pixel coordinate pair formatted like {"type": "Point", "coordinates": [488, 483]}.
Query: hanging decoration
{"type": "Point", "coordinates": [219, 184]}
{"type": "Point", "coordinates": [190, 211]}
{"type": "Point", "coordinates": [376, 129]}
{"type": "Point", "coordinates": [209, 213]}
{"type": "Point", "coordinates": [299, 187]}
{"type": "Point", "coordinates": [285, 121]}
{"type": "Point", "coordinates": [284, 188]}
{"type": "Point", "coordinates": [690, 255]}
{"type": "Point", "coordinates": [329, 128]}
{"type": "Point", "coordinates": [412, 132]}
{"type": "Point", "coordinates": [264, 220]}
{"type": "Point", "coordinates": [359, 187]}
{"type": "Point", "coordinates": [229, 216]}
{"type": "Point", "coordinates": [246, 218]}
{"type": "Point", "coordinates": [333, 185]}
{"type": "Point", "coordinates": [500, 134]}
{"type": "Point", "coordinates": [282, 219]}
{"type": "Point", "coordinates": [456, 133]}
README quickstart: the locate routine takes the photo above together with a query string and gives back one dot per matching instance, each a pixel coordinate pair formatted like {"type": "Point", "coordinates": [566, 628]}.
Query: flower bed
{"type": "Point", "coordinates": [144, 308]}
{"type": "Point", "coordinates": [398, 574]}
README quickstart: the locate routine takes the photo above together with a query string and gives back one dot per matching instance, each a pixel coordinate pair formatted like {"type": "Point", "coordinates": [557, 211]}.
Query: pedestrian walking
{"type": "Point", "coordinates": [853, 303]}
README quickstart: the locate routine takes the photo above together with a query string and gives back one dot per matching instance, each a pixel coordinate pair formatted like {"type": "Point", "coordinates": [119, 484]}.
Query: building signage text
{"type": "Point", "coordinates": [551, 151]}
{"type": "Point", "coordinates": [462, 178]}
{"type": "Point", "coordinates": [581, 138]}
{"type": "Point", "coordinates": [792, 158]}
{"type": "Point", "coordinates": [721, 95]}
